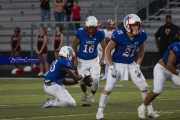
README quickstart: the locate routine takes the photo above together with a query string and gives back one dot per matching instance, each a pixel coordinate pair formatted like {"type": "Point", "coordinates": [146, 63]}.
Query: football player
{"type": "Point", "coordinates": [166, 68]}
{"type": "Point", "coordinates": [126, 60]}
{"type": "Point", "coordinates": [88, 38]}
{"type": "Point", "coordinates": [61, 73]}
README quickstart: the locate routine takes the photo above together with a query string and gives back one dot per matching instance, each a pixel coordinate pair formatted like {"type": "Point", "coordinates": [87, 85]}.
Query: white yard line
{"type": "Point", "coordinates": [76, 115]}
{"type": "Point", "coordinates": [4, 105]}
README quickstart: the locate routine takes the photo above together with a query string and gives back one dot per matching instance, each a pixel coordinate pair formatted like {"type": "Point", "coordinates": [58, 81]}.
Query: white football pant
{"type": "Point", "coordinates": [62, 96]}
{"type": "Point", "coordinates": [90, 67]}
{"type": "Point", "coordinates": [123, 72]}
{"type": "Point", "coordinates": [160, 74]}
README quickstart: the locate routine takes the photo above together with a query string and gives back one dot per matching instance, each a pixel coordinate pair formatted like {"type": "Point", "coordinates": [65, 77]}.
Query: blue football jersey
{"type": "Point", "coordinates": [88, 44]}
{"type": "Point", "coordinates": [175, 47]}
{"type": "Point", "coordinates": [56, 70]}
{"type": "Point", "coordinates": [126, 48]}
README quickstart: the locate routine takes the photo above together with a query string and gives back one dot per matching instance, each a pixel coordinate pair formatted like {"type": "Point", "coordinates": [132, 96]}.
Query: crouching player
{"type": "Point", "coordinates": [165, 69]}
{"type": "Point", "coordinates": [62, 73]}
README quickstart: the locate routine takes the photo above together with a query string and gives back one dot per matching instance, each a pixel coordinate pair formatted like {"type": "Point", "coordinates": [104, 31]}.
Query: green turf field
{"type": "Point", "coordinates": [22, 99]}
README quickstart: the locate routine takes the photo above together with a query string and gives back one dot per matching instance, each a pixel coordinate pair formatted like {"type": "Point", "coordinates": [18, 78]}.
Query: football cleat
{"type": "Point", "coordinates": [47, 104]}
{"type": "Point", "coordinates": [99, 115]}
{"type": "Point", "coordinates": [153, 114]}
{"type": "Point", "coordinates": [141, 112]}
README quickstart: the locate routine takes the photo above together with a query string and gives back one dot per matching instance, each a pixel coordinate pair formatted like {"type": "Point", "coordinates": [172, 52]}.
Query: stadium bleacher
{"type": "Point", "coordinates": [26, 14]}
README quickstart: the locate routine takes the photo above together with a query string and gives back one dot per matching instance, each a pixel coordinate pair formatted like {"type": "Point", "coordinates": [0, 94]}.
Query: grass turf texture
{"type": "Point", "coordinates": [22, 100]}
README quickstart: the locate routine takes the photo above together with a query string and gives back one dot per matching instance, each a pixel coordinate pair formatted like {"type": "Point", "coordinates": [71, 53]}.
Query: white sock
{"type": "Point", "coordinates": [150, 108]}
{"type": "Point", "coordinates": [143, 105]}
{"type": "Point", "coordinates": [102, 102]}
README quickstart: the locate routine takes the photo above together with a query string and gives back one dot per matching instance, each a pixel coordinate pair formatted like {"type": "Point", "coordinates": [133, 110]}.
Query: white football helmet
{"type": "Point", "coordinates": [67, 51]}
{"type": "Point", "coordinates": [91, 21]}
{"type": "Point", "coordinates": [131, 19]}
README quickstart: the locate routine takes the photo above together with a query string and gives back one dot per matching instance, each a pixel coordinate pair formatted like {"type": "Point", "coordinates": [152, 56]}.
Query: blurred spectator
{"type": "Point", "coordinates": [68, 9]}
{"type": "Point", "coordinates": [41, 50]}
{"type": "Point", "coordinates": [58, 41]}
{"type": "Point", "coordinates": [76, 13]}
{"type": "Point", "coordinates": [111, 26]}
{"type": "Point", "coordinates": [166, 34]}
{"type": "Point", "coordinates": [59, 10]}
{"type": "Point", "coordinates": [15, 42]}
{"type": "Point", "coordinates": [45, 10]}
{"type": "Point", "coordinates": [16, 47]}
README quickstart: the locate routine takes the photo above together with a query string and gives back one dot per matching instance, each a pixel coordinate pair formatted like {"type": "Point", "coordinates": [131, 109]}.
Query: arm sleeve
{"type": "Point", "coordinates": [78, 32]}
{"type": "Point", "coordinates": [102, 37]}
{"type": "Point", "coordinates": [175, 50]}
{"type": "Point", "coordinates": [144, 37]}
{"type": "Point", "coordinates": [114, 37]}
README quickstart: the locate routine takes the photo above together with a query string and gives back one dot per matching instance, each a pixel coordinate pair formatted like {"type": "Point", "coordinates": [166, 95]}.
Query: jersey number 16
{"type": "Point", "coordinates": [88, 48]}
